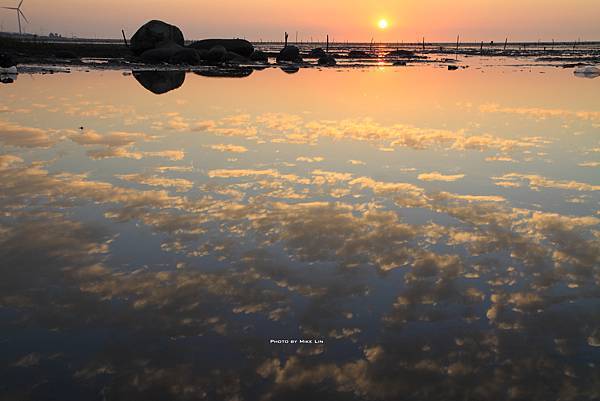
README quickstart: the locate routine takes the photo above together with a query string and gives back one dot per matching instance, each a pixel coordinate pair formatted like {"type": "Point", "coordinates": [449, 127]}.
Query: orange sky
{"type": "Point", "coordinates": [353, 20]}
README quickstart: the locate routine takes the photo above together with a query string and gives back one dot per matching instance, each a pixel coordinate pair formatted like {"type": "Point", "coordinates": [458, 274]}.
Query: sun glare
{"type": "Point", "coordinates": [383, 24]}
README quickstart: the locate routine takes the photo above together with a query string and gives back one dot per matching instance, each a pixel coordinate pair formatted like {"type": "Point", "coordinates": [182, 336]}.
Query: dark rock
{"type": "Point", "coordinates": [327, 60]}
{"type": "Point", "coordinates": [217, 54]}
{"type": "Point", "coordinates": [185, 56]}
{"type": "Point", "coordinates": [239, 46]}
{"type": "Point", "coordinates": [358, 54]}
{"type": "Point", "coordinates": [66, 54]}
{"type": "Point", "coordinates": [6, 61]}
{"type": "Point", "coordinates": [259, 56]}
{"type": "Point", "coordinates": [401, 53]}
{"type": "Point", "coordinates": [167, 44]}
{"type": "Point", "coordinates": [399, 63]}
{"type": "Point", "coordinates": [317, 53]}
{"type": "Point", "coordinates": [203, 54]}
{"type": "Point", "coordinates": [160, 82]}
{"type": "Point", "coordinates": [235, 58]}
{"type": "Point", "coordinates": [153, 33]}
{"type": "Point", "coordinates": [163, 53]}
{"type": "Point", "coordinates": [226, 72]}
{"type": "Point", "coordinates": [452, 67]}
{"type": "Point", "coordinates": [289, 54]}
{"type": "Point", "coordinates": [156, 56]}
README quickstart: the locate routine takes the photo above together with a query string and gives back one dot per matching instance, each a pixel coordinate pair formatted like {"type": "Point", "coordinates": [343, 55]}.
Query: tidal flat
{"type": "Point", "coordinates": [435, 233]}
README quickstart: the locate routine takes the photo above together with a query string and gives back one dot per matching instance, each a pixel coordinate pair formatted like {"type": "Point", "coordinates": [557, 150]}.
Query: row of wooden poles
{"type": "Point", "coordinates": [424, 44]}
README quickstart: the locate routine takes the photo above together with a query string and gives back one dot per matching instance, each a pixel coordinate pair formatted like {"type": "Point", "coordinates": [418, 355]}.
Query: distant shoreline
{"type": "Point", "coordinates": [47, 39]}
{"type": "Point", "coordinates": [114, 54]}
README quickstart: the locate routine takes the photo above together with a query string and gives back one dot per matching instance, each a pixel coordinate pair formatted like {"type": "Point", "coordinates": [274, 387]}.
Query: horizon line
{"type": "Point", "coordinates": [420, 42]}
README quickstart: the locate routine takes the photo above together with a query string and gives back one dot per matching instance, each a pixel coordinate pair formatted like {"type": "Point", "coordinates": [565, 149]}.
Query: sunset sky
{"type": "Point", "coordinates": [352, 20]}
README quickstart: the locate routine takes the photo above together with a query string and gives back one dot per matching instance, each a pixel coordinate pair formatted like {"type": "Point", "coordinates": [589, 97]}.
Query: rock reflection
{"type": "Point", "coordinates": [289, 69]}
{"type": "Point", "coordinates": [160, 82]}
{"type": "Point", "coordinates": [240, 72]}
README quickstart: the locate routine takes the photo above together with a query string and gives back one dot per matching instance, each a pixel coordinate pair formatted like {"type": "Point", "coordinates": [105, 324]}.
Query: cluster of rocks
{"type": "Point", "coordinates": [158, 42]}
{"type": "Point", "coordinates": [8, 69]}
{"type": "Point", "coordinates": [291, 54]}
{"type": "Point", "coordinates": [323, 57]}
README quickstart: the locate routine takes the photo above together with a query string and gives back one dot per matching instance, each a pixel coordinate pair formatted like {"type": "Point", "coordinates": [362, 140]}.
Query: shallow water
{"type": "Point", "coordinates": [435, 234]}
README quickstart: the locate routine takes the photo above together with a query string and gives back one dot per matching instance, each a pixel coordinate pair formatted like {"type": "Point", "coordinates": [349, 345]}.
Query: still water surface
{"type": "Point", "coordinates": [437, 231]}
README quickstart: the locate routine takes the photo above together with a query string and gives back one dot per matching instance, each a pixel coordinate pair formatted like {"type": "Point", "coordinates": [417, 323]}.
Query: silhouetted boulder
{"type": "Point", "coordinates": [327, 60]}
{"type": "Point", "coordinates": [160, 82]}
{"type": "Point", "coordinates": [7, 61]}
{"type": "Point", "coordinates": [317, 53]}
{"type": "Point", "coordinates": [358, 54]}
{"type": "Point", "coordinates": [289, 54]}
{"type": "Point", "coordinates": [203, 54]}
{"type": "Point", "coordinates": [259, 56]}
{"type": "Point", "coordinates": [452, 67]}
{"type": "Point", "coordinates": [239, 46]}
{"type": "Point", "coordinates": [217, 54]}
{"type": "Point", "coordinates": [152, 33]}
{"type": "Point", "coordinates": [185, 56]}
{"type": "Point", "coordinates": [163, 53]}
{"type": "Point", "coordinates": [235, 58]}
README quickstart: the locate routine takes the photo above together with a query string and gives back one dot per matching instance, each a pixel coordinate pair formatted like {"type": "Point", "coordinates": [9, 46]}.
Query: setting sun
{"type": "Point", "coordinates": [383, 24]}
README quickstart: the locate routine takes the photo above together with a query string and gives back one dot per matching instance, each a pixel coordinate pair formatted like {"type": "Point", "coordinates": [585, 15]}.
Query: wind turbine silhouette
{"type": "Point", "coordinates": [19, 14]}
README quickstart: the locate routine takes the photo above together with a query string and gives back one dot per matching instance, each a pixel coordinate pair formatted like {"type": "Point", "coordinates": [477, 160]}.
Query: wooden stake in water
{"type": "Point", "coordinates": [457, 42]}
{"type": "Point", "coordinates": [327, 48]}
{"type": "Point", "coordinates": [481, 48]}
{"type": "Point", "coordinates": [286, 38]}
{"type": "Point", "coordinates": [124, 38]}
{"type": "Point", "coordinates": [505, 43]}
{"type": "Point", "coordinates": [423, 43]}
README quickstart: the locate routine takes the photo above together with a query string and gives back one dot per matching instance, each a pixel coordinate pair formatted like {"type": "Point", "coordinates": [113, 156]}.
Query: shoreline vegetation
{"type": "Point", "coordinates": [158, 45]}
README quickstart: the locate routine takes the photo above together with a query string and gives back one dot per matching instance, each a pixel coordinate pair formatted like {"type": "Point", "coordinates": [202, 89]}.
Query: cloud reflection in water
{"type": "Point", "coordinates": [155, 261]}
